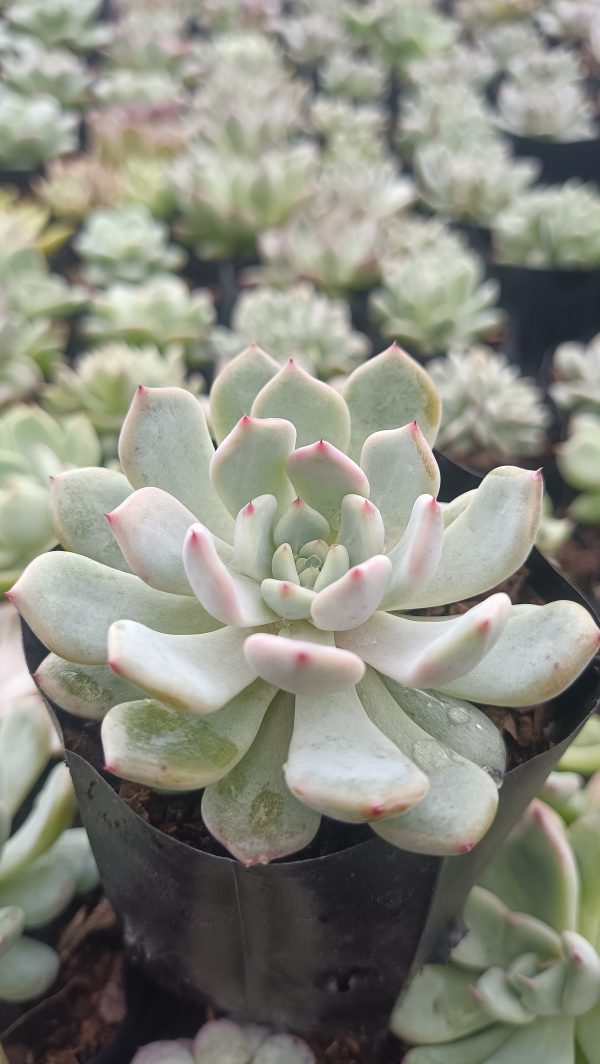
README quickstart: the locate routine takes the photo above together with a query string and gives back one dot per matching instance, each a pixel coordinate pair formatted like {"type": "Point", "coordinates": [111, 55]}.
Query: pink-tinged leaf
{"type": "Point", "coordinates": [416, 556]}
{"type": "Point", "coordinates": [322, 476]}
{"type": "Point", "coordinates": [253, 545]}
{"type": "Point", "coordinates": [361, 529]}
{"type": "Point", "coordinates": [236, 387]}
{"type": "Point", "coordinates": [299, 666]}
{"type": "Point", "coordinates": [313, 407]}
{"type": "Point", "coordinates": [251, 461]}
{"type": "Point", "coordinates": [400, 467]}
{"type": "Point", "coordinates": [582, 987]}
{"type": "Point", "coordinates": [300, 524]}
{"type": "Point", "coordinates": [335, 566]}
{"type": "Point", "coordinates": [288, 599]}
{"type": "Point", "coordinates": [231, 598]}
{"type": "Point", "coordinates": [354, 597]}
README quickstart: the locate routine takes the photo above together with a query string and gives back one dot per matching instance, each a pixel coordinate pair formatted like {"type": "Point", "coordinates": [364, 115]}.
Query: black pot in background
{"type": "Point", "coordinates": [560, 160]}
{"type": "Point", "coordinates": [545, 308]}
{"type": "Point", "coordinates": [317, 945]}
{"type": "Point", "coordinates": [479, 237]}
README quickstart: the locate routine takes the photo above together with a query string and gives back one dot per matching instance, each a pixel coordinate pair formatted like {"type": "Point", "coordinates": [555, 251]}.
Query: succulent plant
{"type": "Point", "coordinates": [450, 112]}
{"type": "Point", "coordinates": [264, 659]}
{"type": "Point", "coordinates": [76, 186]}
{"type": "Point", "coordinates": [579, 463]}
{"type": "Point", "coordinates": [125, 244]}
{"type": "Point", "coordinates": [32, 129]}
{"type": "Point", "coordinates": [551, 228]}
{"type": "Point", "coordinates": [224, 1040]}
{"type": "Point", "coordinates": [565, 793]}
{"type": "Point", "coordinates": [19, 374]}
{"type": "Point", "coordinates": [401, 32]}
{"type": "Point", "coordinates": [36, 294]}
{"type": "Point", "coordinates": [509, 41]}
{"type": "Point", "coordinates": [468, 183]}
{"type": "Point", "coordinates": [487, 407]}
{"type": "Point", "coordinates": [335, 250]}
{"type": "Point", "coordinates": [352, 76]}
{"type": "Point", "coordinates": [31, 345]}
{"type": "Point", "coordinates": [33, 447]}
{"type": "Point", "coordinates": [524, 983]}
{"type": "Point", "coordinates": [559, 111]}
{"type": "Point", "coordinates": [136, 130]}
{"type": "Point", "coordinates": [350, 131]}
{"type": "Point", "coordinates": [583, 756]}
{"type": "Point", "coordinates": [309, 36]}
{"type": "Point", "coordinates": [554, 531]}
{"type": "Point", "coordinates": [297, 323]}
{"type": "Point", "coordinates": [465, 64]}
{"type": "Point", "coordinates": [157, 43]}
{"type": "Point", "coordinates": [571, 19]}
{"type": "Point", "coordinates": [161, 311]}
{"type": "Point", "coordinates": [59, 23]}
{"type": "Point", "coordinates": [123, 85]}
{"type": "Point", "coordinates": [34, 70]}
{"type": "Point", "coordinates": [576, 372]}
{"type": "Point", "coordinates": [17, 689]}
{"type": "Point", "coordinates": [491, 12]}
{"type": "Point", "coordinates": [435, 301]}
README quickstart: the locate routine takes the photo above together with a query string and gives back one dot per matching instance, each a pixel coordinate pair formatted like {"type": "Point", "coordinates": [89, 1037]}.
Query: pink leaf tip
{"type": "Point", "coordinates": [302, 657]}
{"type": "Point", "coordinates": [249, 509]}
{"type": "Point", "coordinates": [356, 573]}
{"type": "Point", "coordinates": [114, 666]}
{"type": "Point", "coordinates": [465, 847]}
{"type": "Point", "coordinates": [246, 420]}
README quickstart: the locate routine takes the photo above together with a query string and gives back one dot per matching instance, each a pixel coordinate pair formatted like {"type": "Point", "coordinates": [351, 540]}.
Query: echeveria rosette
{"type": "Point", "coordinates": [524, 983]}
{"type": "Point", "coordinates": [252, 593]}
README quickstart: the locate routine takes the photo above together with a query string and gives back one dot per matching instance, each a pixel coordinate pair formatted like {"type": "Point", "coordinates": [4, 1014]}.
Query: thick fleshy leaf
{"type": "Point", "coordinates": [462, 798]}
{"type": "Point", "coordinates": [251, 462]}
{"type": "Point", "coordinates": [416, 556]}
{"type": "Point", "coordinates": [85, 690]}
{"type": "Point", "coordinates": [429, 653]}
{"type": "Point", "coordinates": [476, 1049]}
{"type": "Point", "coordinates": [79, 499]}
{"type": "Point", "coordinates": [322, 475]}
{"type": "Point", "coordinates": [164, 748]}
{"type": "Point", "coordinates": [237, 386]}
{"type": "Point", "coordinates": [289, 600]}
{"type": "Point", "coordinates": [222, 1042]}
{"type": "Point", "coordinates": [582, 987]}
{"type": "Point", "coordinates": [25, 746]}
{"type": "Point", "coordinates": [588, 1033]}
{"type": "Point", "coordinates": [251, 811]}
{"type": "Point", "coordinates": [72, 848]}
{"type": "Point", "coordinates": [165, 443]}
{"type": "Point", "coordinates": [584, 837]}
{"type": "Point", "coordinates": [342, 765]}
{"type": "Point", "coordinates": [42, 889]}
{"type": "Point", "coordinates": [539, 654]}
{"type": "Point", "coordinates": [361, 529]}
{"type": "Point", "coordinates": [496, 936]}
{"type": "Point", "coordinates": [27, 970]}
{"type": "Point", "coordinates": [53, 811]}
{"type": "Point", "coordinates": [300, 524]}
{"type": "Point", "coordinates": [488, 540]}
{"type": "Point", "coordinates": [302, 667]}
{"type": "Point", "coordinates": [228, 596]}
{"type": "Point", "coordinates": [150, 527]}
{"type": "Point", "coordinates": [80, 633]}
{"type": "Point", "coordinates": [438, 1007]}
{"type": "Point", "coordinates": [197, 673]}
{"type": "Point", "coordinates": [253, 544]}
{"type": "Point", "coordinates": [335, 566]}
{"type": "Point", "coordinates": [317, 411]}
{"type": "Point", "coordinates": [539, 991]}
{"type": "Point", "coordinates": [387, 392]}
{"type": "Point", "coordinates": [354, 597]}
{"type": "Point", "coordinates": [165, 1053]}
{"type": "Point", "coordinates": [548, 1040]}
{"type": "Point", "coordinates": [498, 998]}
{"type": "Point", "coordinates": [400, 466]}
{"type": "Point", "coordinates": [12, 922]}
{"type": "Point", "coordinates": [537, 851]}
{"type": "Point", "coordinates": [284, 1049]}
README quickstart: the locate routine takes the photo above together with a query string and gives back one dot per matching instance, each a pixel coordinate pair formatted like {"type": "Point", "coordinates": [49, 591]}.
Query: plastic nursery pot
{"type": "Point", "coordinates": [479, 237]}
{"type": "Point", "coordinates": [546, 307]}
{"type": "Point", "coordinates": [317, 945]}
{"type": "Point", "coordinates": [560, 159]}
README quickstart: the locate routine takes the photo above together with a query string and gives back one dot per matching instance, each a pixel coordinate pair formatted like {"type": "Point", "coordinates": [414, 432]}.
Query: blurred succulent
{"type": "Point", "coordinates": [354, 77]}
{"type": "Point", "coordinates": [558, 111]}
{"type": "Point", "coordinates": [124, 85]}
{"type": "Point", "coordinates": [32, 129]}
{"type": "Point", "coordinates": [226, 202]}
{"type": "Point", "coordinates": [487, 407]}
{"type": "Point", "coordinates": [27, 344]}
{"type": "Point", "coordinates": [335, 250]}
{"type": "Point", "coordinates": [34, 447]}
{"type": "Point", "coordinates": [373, 190]}
{"type": "Point", "coordinates": [59, 23]}
{"type": "Point", "coordinates": [579, 463]}
{"type": "Point", "coordinates": [224, 1040]}
{"type": "Point", "coordinates": [434, 301]}
{"type": "Point", "coordinates": [524, 983]}
{"type": "Point", "coordinates": [44, 862]}
{"type": "Point", "coordinates": [17, 689]}
{"type": "Point", "coordinates": [449, 112]}
{"type": "Point", "coordinates": [309, 36]}
{"type": "Point", "coordinates": [43, 295]}
{"type": "Point", "coordinates": [411, 234]}
{"type": "Point", "coordinates": [554, 531]}
{"type": "Point", "coordinates": [465, 64]}
{"type": "Point", "coordinates": [160, 311]}
{"type": "Point", "coordinates": [545, 66]}
{"type": "Point", "coordinates": [75, 186]}
{"type": "Point", "coordinates": [576, 372]}
{"type": "Point", "coordinates": [125, 244]}
{"type": "Point", "coordinates": [401, 32]}
{"type": "Point", "coordinates": [157, 43]}
{"type": "Point", "coordinates": [565, 793]}
{"type": "Point", "coordinates": [242, 666]}
{"type": "Point", "coordinates": [491, 12]}
{"type": "Point", "coordinates": [571, 19]}
{"type": "Point", "coordinates": [509, 41]}
{"type": "Point", "coordinates": [125, 131]}
{"type": "Point", "coordinates": [233, 15]}
{"type": "Point", "coordinates": [33, 70]}
{"type": "Point", "coordinates": [551, 228]}
{"type": "Point", "coordinates": [470, 183]}
{"type": "Point", "coordinates": [583, 755]}
{"type": "Point", "coordinates": [296, 323]}
{"type": "Point", "coordinates": [348, 132]}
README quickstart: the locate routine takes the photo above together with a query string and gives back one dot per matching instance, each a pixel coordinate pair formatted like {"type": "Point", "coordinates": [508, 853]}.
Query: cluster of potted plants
{"type": "Point", "coordinates": [307, 674]}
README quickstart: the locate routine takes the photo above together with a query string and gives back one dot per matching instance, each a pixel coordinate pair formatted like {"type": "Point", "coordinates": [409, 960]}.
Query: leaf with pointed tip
{"type": "Point", "coordinates": [251, 461]}
{"type": "Point", "coordinates": [79, 500]}
{"type": "Point", "coordinates": [536, 851]}
{"type": "Point", "coordinates": [322, 475]}
{"type": "Point", "coordinates": [429, 653]}
{"type": "Point", "coordinates": [251, 811]}
{"type": "Point", "coordinates": [361, 529]}
{"type": "Point", "coordinates": [582, 986]}
{"type": "Point", "coordinates": [288, 600]}
{"type": "Point", "coordinates": [237, 386]}
{"type": "Point", "coordinates": [25, 747]}
{"type": "Point", "coordinates": [438, 1007]}
{"type": "Point", "coordinates": [354, 597]}
{"type": "Point", "coordinates": [228, 596]}
{"type": "Point", "coordinates": [539, 991]}
{"type": "Point", "coordinates": [416, 556]}
{"type": "Point", "coordinates": [284, 566]}
{"type": "Point", "coordinates": [164, 748]}
{"type": "Point", "coordinates": [496, 996]}
{"type": "Point", "coordinates": [476, 1049]}
{"type": "Point", "coordinates": [302, 667]}
{"type": "Point", "coordinates": [342, 765]}
{"type": "Point", "coordinates": [335, 566]}
{"type": "Point", "coordinates": [196, 673]}
{"type": "Point", "coordinates": [497, 936]}
{"type": "Point", "coordinates": [52, 811]}
{"type": "Point", "coordinates": [42, 889]}
{"type": "Point", "coordinates": [165, 443]}
{"type": "Point", "coordinates": [462, 799]}
{"type": "Point", "coordinates": [542, 650]}
{"type": "Point", "coordinates": [27, 970]}
{"type": "Point", "coordinates": [253, 545]}
{"type": "Point", "coordinates": [488, 541]}
{"type": "Point", "coordinates": [79, 633]}
{"type": "Point", "coordinates": [387, 392]}
{"type": "Point", "coordinates": [85, 690]}
{"type": "Point", "coordinates": [222, 1042]}
{"type": "Point", "coordinates": [300, 524]}
{"type": "Point", "coordinates": [315, 409]}
{"type": "Point", "coordinates": [400, 466]}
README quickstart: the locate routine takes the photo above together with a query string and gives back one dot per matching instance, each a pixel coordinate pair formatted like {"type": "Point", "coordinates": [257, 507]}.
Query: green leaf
{"type": "Point", "coordinates": [237, 386]}
{"type": "Point", "coordinates": [477, 1049]}
{"type": "Point", "coordinates": [400, 466]}
{"type": "Point", "coordinates": [150, 528]}
{"type": "Point", "coordinates": [251, 461]}
{"type": "Point", "coordinates": [79, 502]}
{"type": "Point", "coordinates": [584, 837]}
{"type": "Point", "coordinates": [322, 475]}
{"type": "Point", "coordinates": [53, 811]}
{"type": "Point", "coordinates": [497, 936]}
{"type": "Point", "coordinates": [316, 410]}
{"type": "Point", "coordinates": [438, 1007]}
{"type": "Point", "coordinates": [42, 889]}
{"type": "Point", "coordinates": [25, 744]}
{"type": "Point", "coordinates": [86, 690]}
{"type": "Point", "coordinates": [27, 970]}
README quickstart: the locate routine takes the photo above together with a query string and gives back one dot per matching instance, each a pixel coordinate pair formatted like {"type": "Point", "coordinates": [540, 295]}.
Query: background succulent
{"type": "Point", "coordinates": [554, 112]}
{"type": "Point", "coordinates": [274, 667]}
{"type": "Point", "coordinates": [401, 32]}
{"type": "Point", "coordinates": [551, 228]}
{"type": "Point", "coordinates": [32, 129]}
{"type": "Point", "coordinates": [33, 70]}
{"type": "Point", "coordinates": [59, 23]}
{"type": "Point", "coordinates": [224, 1040]}
{"type": "Point", "coordinates": [579, 463]}
{"type": "Point", "coordinates": [583, 756]}
{"type": "Point", "coordinates": [125, 244]}
{"type": "Point", "coordinates": [454, 114]}
{"type": "Point", "coordinates": [576, 369]}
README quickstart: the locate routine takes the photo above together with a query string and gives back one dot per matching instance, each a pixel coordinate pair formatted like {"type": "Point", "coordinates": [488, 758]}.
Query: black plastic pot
{"type": "Point", "coordinates": [318, 945]}
{"type": "Point", "coordinates": [545, 308]}
{"type": "Point", "coordinates": [560, 160]}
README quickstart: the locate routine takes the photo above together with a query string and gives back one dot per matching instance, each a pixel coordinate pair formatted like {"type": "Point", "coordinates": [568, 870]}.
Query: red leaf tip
{"type": "Point", "coordinates": [249, 509]}
{"type": "Point", "coordinates": [465, 847]}
{"type": "Point", "coordinates": [356, 573]}
{"type": "Point", "coordinates": [297, 501]}
{"type": "Point", "coordinates": [114, 666]}
{"type": "Point", "coordinates": [302, 657]}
